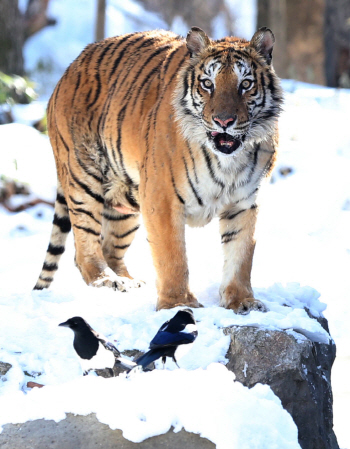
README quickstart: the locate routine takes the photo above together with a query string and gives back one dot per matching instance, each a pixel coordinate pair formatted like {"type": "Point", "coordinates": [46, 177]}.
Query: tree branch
{"type": "Point", "coordinates": [35, 18]}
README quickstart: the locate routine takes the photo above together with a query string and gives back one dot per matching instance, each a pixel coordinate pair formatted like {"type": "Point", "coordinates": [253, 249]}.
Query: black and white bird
{"type": "Point", "coordinates": [94, 351]}
{"type": "Point", "coordinates": [174, 339]}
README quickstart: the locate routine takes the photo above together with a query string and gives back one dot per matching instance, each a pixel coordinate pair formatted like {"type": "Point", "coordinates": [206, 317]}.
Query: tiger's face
{"type": "Point", "coordinates": [228, 94]}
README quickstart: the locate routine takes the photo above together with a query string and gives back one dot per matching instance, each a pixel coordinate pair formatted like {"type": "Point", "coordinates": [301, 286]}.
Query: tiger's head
{"type": "Point", "coordinates": [227, 93]}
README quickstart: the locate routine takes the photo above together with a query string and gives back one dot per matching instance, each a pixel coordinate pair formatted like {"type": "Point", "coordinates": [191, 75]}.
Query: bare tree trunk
{"type": "Point", "coordinates": [273, 14]}
{"type": "Point", "coordinates": [100, 20]}
{"type": "Point", "coordinates": [11, 38]}
{"type": "Point", "coordinates": [337, 43]}
{"type": "Point", "coordinates": [15, 28]}
{"type": "Point", "coordinates": [298, 27]}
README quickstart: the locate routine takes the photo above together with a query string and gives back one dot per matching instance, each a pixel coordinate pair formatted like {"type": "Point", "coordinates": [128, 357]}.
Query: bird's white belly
{"type": "Point", "coordinates": [103, 359]}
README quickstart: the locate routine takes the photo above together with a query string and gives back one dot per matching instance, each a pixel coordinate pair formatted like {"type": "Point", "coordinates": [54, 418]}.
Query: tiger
{"type": "Point", "coordinates": [178, 130]}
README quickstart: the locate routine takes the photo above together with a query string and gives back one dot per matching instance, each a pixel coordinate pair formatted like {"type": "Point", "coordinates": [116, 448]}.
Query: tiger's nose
{"type": "Point", "coordinates": [225, 122]}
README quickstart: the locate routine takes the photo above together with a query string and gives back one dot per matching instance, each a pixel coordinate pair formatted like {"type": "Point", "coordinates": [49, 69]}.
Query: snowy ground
{"type": "Point", "coordinates": [303, 248]}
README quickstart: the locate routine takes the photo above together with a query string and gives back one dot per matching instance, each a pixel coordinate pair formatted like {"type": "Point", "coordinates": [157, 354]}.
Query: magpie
{"type": "Point", "coordinates": [174, 339]}
{"type": "Point", "coordinates": [94, 351]}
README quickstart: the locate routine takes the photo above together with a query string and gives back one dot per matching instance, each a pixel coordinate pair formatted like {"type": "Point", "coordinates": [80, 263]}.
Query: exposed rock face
{"type": "Point", "coordinates": [297, 370]}
{"type": "Point", "coordinates": [4, 368]}
{"type": "Point", "coordinates": [87, 432]}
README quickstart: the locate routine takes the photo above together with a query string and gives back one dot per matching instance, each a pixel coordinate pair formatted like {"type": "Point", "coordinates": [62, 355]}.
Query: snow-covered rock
{"type": "Point", "coordinates": [298, 371]}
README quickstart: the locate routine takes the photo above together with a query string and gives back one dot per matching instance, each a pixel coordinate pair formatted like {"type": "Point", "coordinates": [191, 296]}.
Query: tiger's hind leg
{"type": "Point", "coordinates": [118, 232]}
{"type": "Point", "coordinates": [60, 229]}
{"type": "Point", "coordinates": [86, 203]}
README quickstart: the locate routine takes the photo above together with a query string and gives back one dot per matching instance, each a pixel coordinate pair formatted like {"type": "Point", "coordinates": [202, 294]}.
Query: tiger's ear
{"type": "Point", "coordinates": [197, 41]}
{"type": "Point", "coordinates": [263, 41]}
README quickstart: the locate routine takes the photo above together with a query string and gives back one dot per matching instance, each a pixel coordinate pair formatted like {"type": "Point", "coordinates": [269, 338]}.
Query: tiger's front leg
{"type": "Point", "coordinates": [237, 229]}
{"type": "Point", "coordinates": [164, 219]}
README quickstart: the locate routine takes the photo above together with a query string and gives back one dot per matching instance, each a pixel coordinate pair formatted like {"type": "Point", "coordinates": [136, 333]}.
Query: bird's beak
{"type": "Point", "coordinates": [65, 324]}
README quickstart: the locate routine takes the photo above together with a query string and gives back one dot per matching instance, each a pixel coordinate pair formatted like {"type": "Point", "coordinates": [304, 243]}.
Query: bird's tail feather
{"type": "Point", "coordinates": [149, 357]}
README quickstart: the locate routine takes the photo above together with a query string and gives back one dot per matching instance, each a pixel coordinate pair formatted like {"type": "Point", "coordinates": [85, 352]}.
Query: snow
{"type": "Point", "coordinates": [302, 260]}
{"type": "Point", "coordinates": [185, 405]}
{"type": "Point", "coordinates": [38, 346]}
{"type": "Point", "coordinates": [19, 161]}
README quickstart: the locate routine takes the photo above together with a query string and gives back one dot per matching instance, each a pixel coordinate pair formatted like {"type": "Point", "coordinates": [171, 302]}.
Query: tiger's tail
{"type": "Point", "coordinates": [60, 229]}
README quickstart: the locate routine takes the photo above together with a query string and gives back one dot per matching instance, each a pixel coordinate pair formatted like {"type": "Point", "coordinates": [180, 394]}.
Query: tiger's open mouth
{"type": "Point", "coordinates": [225, 143]}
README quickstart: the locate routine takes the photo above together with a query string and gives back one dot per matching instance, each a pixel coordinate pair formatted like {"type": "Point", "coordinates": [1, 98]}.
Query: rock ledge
{"type": "Point", "coordinates": [297, 370]}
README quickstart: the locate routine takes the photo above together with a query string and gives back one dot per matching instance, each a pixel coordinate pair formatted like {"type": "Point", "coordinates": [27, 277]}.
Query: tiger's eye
{"type": "Point", "coordinates": [207, 83]}
{"type": "Point", "coordinates": [246, 84]}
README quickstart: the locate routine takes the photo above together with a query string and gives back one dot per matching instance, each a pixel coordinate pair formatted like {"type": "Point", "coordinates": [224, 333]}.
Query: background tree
{"type": "Point", "coordinates": [337, 43]}
{"type": "Point", "coordinates": [273, 14]}
{"type": "Point", "coordinates": [100, 20]}
{"type": "Point", "coordinates": [194, 12]}
{"type": "Point", "coordinates": [298, 27]}
{"type": "Point", "coordinates": [11, 37]}
{"type": "Point", "coordinates": [16, 27]}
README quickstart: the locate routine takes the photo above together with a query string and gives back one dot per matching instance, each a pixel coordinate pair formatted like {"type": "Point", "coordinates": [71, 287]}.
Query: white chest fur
{"type": "Point", "coordinates": [226, 184]}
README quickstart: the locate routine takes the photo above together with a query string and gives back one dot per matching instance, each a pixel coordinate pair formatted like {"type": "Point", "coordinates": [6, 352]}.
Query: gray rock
{"type": "Point", "coordinates": [132, 353]}
{"type": "Point", "coordinates": [87, 432]}
{"type": "Point", "coordinates": [297, 370]}
{"type": "Point", "coordinates": [4, 368]}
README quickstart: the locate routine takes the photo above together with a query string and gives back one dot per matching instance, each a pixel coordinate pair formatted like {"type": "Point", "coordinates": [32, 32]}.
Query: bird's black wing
{"type": "Point", "coordinates": [164, 339]}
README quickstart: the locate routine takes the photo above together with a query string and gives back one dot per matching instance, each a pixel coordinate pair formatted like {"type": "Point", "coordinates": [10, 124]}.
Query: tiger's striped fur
{"type": "Point", "coordinates": [178, 130]}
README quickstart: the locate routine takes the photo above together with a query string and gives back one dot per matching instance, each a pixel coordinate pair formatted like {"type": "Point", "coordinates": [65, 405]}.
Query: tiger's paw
{"type": "Point", "coordinates": [121, 283]}
{"type": "Point", "coordinates": [170, 303]}
{"type": "Point", "coordinates": [247, 305]}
